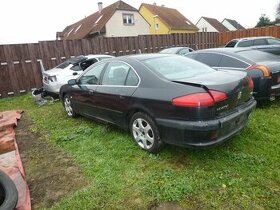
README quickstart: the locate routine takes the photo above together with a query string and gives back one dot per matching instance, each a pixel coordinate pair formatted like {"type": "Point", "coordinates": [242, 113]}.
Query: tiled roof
{"type": "Point", "coordinates": [216, 24]}
{"type": "Point", "coordinates": [171, 17]}
{"type": "Point", "coordinates": [94, 23]}
{"type": "Point", "coordinates": [234, 23]}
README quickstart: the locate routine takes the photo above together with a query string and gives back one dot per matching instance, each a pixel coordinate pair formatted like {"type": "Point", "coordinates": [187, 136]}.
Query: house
{"type": "Point", "coordinates": [116, 20]}
{"type": "Point", "coordinates": [232, 25]}
{"type": "Point", "coordinates": [164, 20]}
{"type": "Point", "coordinates": [206, 24]}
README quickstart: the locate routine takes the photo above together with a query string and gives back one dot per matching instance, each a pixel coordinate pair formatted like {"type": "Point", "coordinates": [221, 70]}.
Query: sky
{"type": "Point", "coordinates": [30, 21]}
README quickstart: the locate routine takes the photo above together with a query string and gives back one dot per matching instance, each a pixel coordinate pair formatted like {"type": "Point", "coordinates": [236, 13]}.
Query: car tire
{"type": "Point", "coordinates": [145, 133]}
{"type": "Point", "coordinates": [68, 106]}
{"type": "Point", "coordinates": [8, 192]}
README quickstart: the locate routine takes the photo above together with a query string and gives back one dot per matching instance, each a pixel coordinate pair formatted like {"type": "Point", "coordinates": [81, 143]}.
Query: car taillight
{"type": "Point", "coordinates": [250, 83]}
{"type": "Point", "coordinates": [264, 69]}
{"type": "Point", "coordinates": [200, 99]}
{"type": "Point", "coordinates": [52, 78]}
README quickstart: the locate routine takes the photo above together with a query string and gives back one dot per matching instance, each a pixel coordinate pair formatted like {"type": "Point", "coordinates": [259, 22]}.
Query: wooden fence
{"type": "Point", "coordinates": [20, 69]}
{"type": "Point", "coordinates": [225, 37]}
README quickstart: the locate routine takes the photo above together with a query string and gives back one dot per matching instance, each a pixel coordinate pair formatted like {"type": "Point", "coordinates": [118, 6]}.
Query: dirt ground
{"type": "Point", "coordinates": [51, 174]}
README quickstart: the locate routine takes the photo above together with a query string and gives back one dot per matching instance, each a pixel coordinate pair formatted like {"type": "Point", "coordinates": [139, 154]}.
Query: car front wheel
{"type": "Point", "coordinates": [68, 106]}
{"type": "Point", "coordinates": [145, 133]}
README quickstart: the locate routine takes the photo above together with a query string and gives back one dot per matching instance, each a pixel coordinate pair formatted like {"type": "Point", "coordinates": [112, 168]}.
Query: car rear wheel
{"type": "Point", "coordinates": [145, 132]}
{"type": "Point", "coordinates": [68, 106]}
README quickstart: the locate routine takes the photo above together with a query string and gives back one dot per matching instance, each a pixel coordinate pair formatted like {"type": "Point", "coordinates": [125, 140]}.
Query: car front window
{"type": "Point", "coordinates": [177, 67]}
{"type": "Point", "coordinates": [273, 41]}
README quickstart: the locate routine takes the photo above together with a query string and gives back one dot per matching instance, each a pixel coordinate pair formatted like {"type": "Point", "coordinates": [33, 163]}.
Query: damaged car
{"type": "Point", "coordinates": [54, 78]}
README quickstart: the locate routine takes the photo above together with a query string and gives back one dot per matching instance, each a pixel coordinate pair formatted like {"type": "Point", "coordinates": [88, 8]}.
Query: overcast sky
{"type": "Point", "coordinates": [25, 21]}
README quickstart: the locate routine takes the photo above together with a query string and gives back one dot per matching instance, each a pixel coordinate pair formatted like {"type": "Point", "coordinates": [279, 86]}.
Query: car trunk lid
{"type": "Point", "coordinates": [236, 86]}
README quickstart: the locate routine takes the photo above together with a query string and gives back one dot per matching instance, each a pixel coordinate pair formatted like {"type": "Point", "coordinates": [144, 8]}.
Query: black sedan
{"type": "Point", "coordinates": [163, 98]}
{"type": "Point", "coordinates": [262, 67]}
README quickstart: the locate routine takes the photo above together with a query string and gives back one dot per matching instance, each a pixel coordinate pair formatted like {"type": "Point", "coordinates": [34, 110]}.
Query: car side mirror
{"type": "Point", "coordinates": [72, 82]}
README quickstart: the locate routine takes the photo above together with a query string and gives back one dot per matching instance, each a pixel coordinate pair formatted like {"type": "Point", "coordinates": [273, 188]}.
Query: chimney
{"type": "Point", "coordinates": [100, 6]}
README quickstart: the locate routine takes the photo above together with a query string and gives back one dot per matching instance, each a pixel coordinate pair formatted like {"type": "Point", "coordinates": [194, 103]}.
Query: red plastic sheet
{"type": "Point", "coordinates": [10, 161]}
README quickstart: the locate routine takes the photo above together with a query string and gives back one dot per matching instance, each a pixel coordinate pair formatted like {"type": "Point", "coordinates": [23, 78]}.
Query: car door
{"type": "Point", "coordinates": [83, 96]}
{"type": "Point", "coordinates": [113, 95]}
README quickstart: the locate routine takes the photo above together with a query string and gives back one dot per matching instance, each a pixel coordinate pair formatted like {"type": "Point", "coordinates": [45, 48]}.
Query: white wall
{"type": "Point", "coordinates": [228, 25]}
{"type": "Point", "coordinates": [115, 26]}
{"type": "Point", "coordinates": [202, 23]}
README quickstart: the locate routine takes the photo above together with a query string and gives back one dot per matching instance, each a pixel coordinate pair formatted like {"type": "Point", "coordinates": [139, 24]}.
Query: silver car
{"type": "Point", "coordinates": [54, 78]}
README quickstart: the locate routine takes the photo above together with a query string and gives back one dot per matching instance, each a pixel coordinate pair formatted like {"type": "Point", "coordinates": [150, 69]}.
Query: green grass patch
{"type": "Point", "coordinates": [243, 173]}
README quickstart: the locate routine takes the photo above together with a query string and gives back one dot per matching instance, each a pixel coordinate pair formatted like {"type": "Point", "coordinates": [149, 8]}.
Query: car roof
{"type": "Point", "coordinates": [252, 38]}
{"type": "Point", "coordinates": [98, 56]}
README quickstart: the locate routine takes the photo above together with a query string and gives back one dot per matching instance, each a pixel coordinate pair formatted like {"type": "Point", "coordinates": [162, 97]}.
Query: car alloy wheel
{"type": "Point", "coordinates": [145, 133]}
{"type": "Point", "coordinates": [68, 107]}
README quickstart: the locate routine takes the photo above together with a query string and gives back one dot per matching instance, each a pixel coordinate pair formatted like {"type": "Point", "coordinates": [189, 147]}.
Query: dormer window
{"type": "Point", "coordinates": [128, 19]}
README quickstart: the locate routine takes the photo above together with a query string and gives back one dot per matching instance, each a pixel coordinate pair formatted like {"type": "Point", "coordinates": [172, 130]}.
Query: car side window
{"type": "Point", "coordinates": [227, 61]}
{"type": "Point", "coordinates": [246, 43]}
{"type": "Point", "coordinates": [273, 41]}
{"type": "Point", "coordinates": [260, 42]}
{"type": "Point", "coordinates": [92, 75]}
{"type": "Point", "coordinates": [115, 74]}
{"type": "Point", "coordinates": [210, 59]}
{"type": "Point", "coordinates": [132, 78]}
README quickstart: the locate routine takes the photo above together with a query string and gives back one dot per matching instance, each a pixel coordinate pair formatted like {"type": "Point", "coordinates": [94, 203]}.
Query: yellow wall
{"type": "Point", "coordinates": [163, 28]}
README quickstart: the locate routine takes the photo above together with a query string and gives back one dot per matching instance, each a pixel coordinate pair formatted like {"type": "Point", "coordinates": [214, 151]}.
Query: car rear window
{"type": "Point", "coordinates": [258, 56]}
{"type": "Point", "coordinates": [177, 67]}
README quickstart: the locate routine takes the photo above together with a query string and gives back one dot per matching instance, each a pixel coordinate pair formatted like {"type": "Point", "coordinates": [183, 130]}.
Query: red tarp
{"type": "Point", "coordinates": [10, 161]}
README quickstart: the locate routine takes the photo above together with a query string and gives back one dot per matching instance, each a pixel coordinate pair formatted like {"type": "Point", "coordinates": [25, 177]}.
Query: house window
{"type": "Point", "coordinates": [204, 29]}
{"type": "Point", "coordinates": [157, 26]}
{"type": "Point", "coordinates": [128, 19]}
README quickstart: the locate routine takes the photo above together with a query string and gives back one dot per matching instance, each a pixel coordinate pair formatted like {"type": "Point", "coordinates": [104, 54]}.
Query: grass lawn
{"type": "Point", "coordinates": [243, 173]}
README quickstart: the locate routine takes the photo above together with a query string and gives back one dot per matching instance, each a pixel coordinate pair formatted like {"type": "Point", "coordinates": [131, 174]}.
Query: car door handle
{"type": "Point", "coordinates": [91, 91]}
{"type": "Point", "coordinates": [122, 96]}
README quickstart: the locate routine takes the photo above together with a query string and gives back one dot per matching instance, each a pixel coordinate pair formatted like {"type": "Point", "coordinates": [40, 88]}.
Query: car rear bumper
{"type": "Point", "coordinates": [53, 87]}
{"type": "Point", "coordinates": [204, 133]}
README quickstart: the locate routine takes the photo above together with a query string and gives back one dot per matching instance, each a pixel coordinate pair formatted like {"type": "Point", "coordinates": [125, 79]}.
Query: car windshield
{"type": "Point", "coordinates": [258, 56]}
{"type": "Point", "coordinates": [177, 67]}
{"type": "Point", "coordinates": [172, 50]}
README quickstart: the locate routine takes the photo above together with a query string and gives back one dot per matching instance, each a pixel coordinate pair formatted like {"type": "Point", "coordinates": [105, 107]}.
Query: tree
{"type": "Point", "coordinates": [264, 21]}
{"type": "Point", "coordinates": [277, 19]}
{"type": "Point", "coordinates": [278, 11]}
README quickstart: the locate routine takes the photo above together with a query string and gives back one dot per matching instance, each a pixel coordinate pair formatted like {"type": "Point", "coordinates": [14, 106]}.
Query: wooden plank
{"type": "Point", "coordinates": [13, 86]}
